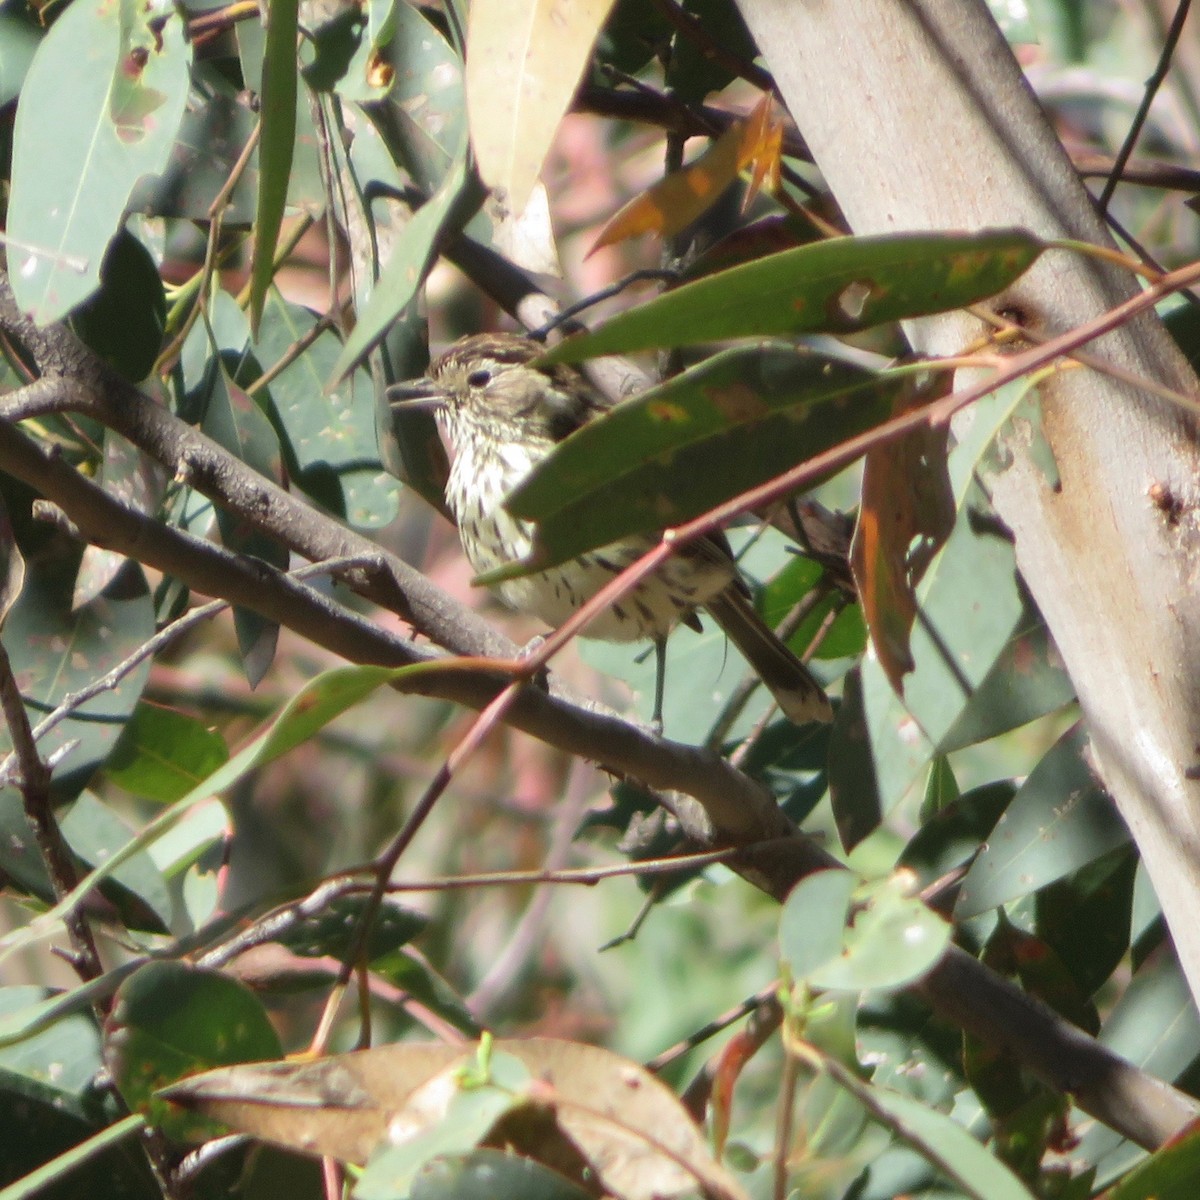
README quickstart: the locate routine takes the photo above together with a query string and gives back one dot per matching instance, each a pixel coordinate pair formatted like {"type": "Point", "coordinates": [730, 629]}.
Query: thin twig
{"type": "Point", "coordinates": [385, 864]}
{"type": "Point", "coordinates": [1143, 111]}
{"type": "Point", "coordinates": [152, 646]}
{"type": "Point", "coordinates": [35, 793]}
{"type": "Point", "coordinates": [765, 997]}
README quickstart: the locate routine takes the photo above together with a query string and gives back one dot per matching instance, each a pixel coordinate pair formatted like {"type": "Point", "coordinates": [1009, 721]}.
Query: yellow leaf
{"type": "Point", "coordinates": [674, 202]}
{"type": "Point", "coordinates": [524, 61]}
{"type": "Point", "coordinates": [761, 148]}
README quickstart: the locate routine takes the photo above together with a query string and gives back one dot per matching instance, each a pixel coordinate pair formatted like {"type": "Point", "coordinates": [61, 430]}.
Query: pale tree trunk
{"type": "Point", "coordinates": [919, 118]}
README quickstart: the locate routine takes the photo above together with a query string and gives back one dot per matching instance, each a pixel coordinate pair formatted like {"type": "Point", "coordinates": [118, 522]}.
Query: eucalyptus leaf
{"type": "Point", "coordinates": [838, 285]}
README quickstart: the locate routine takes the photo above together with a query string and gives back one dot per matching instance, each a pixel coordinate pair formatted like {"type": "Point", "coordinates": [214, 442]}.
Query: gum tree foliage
{"type": "Point", "coordinates": [947, 945]}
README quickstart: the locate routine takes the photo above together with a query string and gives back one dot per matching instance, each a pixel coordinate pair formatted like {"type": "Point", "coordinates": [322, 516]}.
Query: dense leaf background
{"type": "Point", "coordinates": [254, 227]}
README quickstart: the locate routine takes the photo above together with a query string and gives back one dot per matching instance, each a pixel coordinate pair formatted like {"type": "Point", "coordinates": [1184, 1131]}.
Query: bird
{"type": "Point", "coordinates": [504, 412]}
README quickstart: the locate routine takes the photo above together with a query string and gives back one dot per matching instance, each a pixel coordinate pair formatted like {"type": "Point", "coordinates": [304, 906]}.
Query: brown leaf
{"type": "Point", "coordinates": [12, 565]}
{"type": "Point", "coordinates": [631, 1128]}
{"type": "Point", "coordinates": [682, 197]}
{"type": "Point", "coordinates": [906, 514]}
{"type": "Point", "coordinates": [762, 149]}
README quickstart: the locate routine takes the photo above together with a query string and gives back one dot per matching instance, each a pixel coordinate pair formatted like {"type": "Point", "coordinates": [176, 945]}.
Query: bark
{"type": "Point", "coordinates": [919, 117]}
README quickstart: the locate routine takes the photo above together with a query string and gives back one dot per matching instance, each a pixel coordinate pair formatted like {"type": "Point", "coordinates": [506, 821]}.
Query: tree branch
{"type": "Point", "coordinates": [716, 804]}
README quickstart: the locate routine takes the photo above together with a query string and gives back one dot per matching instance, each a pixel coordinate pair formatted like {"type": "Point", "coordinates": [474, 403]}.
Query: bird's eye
{"type": "Point", "coordinates": [478, 379]}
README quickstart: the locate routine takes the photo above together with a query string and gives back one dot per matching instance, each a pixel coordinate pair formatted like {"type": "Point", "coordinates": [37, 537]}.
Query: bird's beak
{"type": "Point", "coordinates": [422, 395]}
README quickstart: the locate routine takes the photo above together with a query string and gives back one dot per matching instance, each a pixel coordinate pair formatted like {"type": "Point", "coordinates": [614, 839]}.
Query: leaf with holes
{"type": "Point", "coordinates": [837, 286]}
{"type": "Point", "coordinates": [99, 110]}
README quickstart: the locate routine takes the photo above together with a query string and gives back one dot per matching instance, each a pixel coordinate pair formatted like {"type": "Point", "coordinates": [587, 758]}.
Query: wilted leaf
{"type": "Point", "coordinates": [685, 195]}
{"type": "Point", "coordinates": [762, 149]}
{"type": "Point", "coordinates": [524, 62]}
{"type": "Point", "coordinates": [735, 1054]}
{"type": "Point", "coordinates": [905, 515]}
{"type": "Point", "coordinates": [630, 1128]}
{"type": "Point", "coordinates": [970, 606]}
{"type": "Point", "coordinates": [12, 565]}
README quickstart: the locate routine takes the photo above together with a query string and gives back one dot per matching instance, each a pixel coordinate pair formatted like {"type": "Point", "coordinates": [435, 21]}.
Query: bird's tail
{"type": "Point", "coordinates": [799, 696]}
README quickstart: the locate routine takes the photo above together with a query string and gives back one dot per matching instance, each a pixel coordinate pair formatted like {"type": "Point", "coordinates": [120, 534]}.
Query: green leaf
{"type": "Point", "coordinates": [692, 70]}
{"type": "Point", "coordinates": [1171, 1174]}
{"type": "Point", "coordinates": [365, 75]}
{"type": "Point", "coordinates": [423, 117]}
{"type": "Point", "coordinates": [221, 339]}
{"type": "Point", "coordinates": [19, 40]}
{"type": "Point", "coordinates": [490, 1175]}
{"type": "Point", "coordinates": [62, 1058]}
{"type": "Point", "coordinates": [854, 774]}
{"type": "Point", "coordinates": [95, 833]}
{"type": "Point", "coordinates": [736, 420]}
{"type": "Point", "coordinates": [33, 1160]}
{"type": "Point", "coordinates": [332, 39]}
{"type": "Point", "coordinates": [312, 708]}
{"type": "Point", "coordinates": [405, 271]}
{"type": "Point", "coordinates": [952, 836]}
{"type": "Point", "coordinates": [164, 753]}
{"type": "Point", "coordinates": [138, 481]}
{"type": "Point", "coordinates": [56, 651]}
{"type": "Point", "coordinates": [943, 1142]}
{"type": "Point", "coordinates": [334, 930]}
{"type": "Point", "coordinates": [124, 322]}
{"type": "Point", "coordinates": [836, 286]}
{"type": "Point", "coordinates": [414, 976]}
{"type": "Point", "coordinates": [891, 940]}
{"type": "Point", "coordinates": [812, 925]}
{"type": "Point", "coordinates": [99, 110]}
{"type": "Point", "coordinates": [845, 637]}
{"type": "Point", "coordinates": [470, 1116]}
{"type": "Point", "coordinates": [276, 146]}
{"type": "Point", "coordinates": [170, 1020]}
{"type": "Point", "coordinates": [330, 434]}
{"type": "Point", "coordinates": [1085, 917]}
{"type": "Point", "coordinates": [1060, 820]}
{"type": "Point", "coordinates": [1027, 681]}
{"type": "Point", "coordinates": [200, 164]}
{"type": "Point", "coordinates": [234, 420]}
{"type": "Point", "coordinates": [970, 606]}
{"type": "Point", "coordinates": [1154, 1024]}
